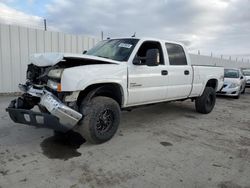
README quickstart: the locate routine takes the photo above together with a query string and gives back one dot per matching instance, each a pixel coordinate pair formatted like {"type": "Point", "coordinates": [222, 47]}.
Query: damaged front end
{"type": "Point", "coordinates": [58, 106]}
{"type": "Point", "coordinates": [54, 114]}
{"type": "Point", "coordinates": [43, 90]}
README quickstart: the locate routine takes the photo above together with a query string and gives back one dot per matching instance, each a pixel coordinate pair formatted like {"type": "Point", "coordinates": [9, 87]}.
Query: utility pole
{"type": "Point", "coordinates": [45, 24]}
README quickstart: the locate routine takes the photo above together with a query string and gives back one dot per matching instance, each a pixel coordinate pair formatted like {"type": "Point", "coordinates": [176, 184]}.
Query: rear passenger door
{"type": "Point", "coordinates": [179, 72]}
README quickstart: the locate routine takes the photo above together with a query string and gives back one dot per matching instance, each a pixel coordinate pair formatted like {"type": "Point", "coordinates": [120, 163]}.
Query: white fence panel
{"type": "Point", "coordinates": [18, 43]}
{"type": "Point", "coordinates": [6, 63]}
{"type": "Point", "coordinates": [212, 61]}
{"type": "Point", "coordinates": [15, 57]}
{"type": "Point", "coordinates": [24, 51]}
{"type": "Point", "coordinates": [61, 42]}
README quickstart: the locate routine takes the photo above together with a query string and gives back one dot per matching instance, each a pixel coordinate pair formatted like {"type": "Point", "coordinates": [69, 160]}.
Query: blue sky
{"type": "Point", "coordinates": [33, 7]}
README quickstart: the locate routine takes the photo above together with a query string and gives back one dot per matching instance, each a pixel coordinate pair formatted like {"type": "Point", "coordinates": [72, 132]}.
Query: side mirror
{"type": "Point", "coordinates": [137, 61]}
{"type": "Point", "coordinates": [84, 52]}
{"type": "Point", "coordinates": [152, 57]}
{"type": "Point", "coordinates": [241, 77]}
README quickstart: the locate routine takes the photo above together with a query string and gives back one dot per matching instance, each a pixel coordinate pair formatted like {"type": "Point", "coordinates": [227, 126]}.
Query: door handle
{"type": "Point", "coordinates": [164, 72]}
{"type": "Point", "coordinates": [186, 72]}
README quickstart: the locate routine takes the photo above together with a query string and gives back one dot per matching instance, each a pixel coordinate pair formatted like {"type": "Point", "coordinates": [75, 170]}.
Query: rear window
{"type": "Point", "coordinates": [176, 54]}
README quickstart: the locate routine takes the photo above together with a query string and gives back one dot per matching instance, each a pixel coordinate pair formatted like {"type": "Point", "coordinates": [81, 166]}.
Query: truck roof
{"type": "Point", "coordinates": [149, 39]}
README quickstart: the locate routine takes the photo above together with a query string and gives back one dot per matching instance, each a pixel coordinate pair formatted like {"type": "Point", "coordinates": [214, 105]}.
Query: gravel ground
{"type": "Point", "coordinates": [163, 145]}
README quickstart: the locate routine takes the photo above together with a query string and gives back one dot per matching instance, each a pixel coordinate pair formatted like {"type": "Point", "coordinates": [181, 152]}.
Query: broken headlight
{"type": "Point", "coordinates": [54, 85]}
{"type": "Point", "coordinates": [55, 73]}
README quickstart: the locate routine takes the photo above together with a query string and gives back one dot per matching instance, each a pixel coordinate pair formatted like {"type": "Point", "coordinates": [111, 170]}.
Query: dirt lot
{"type": "Point", "coordinates": [165, 145]}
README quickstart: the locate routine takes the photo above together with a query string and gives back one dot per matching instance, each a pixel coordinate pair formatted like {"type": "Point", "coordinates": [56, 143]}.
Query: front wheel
{"type": "Point", "coordinates": [101, 119]}
{"type": "Point", "coordinates": [205, 103]}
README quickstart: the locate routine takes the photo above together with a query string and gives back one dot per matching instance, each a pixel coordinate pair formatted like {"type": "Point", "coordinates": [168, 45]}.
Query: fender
{"type": "Point", "coordinates": [79, 78]}
{"type": "Point", "coordinates": [207, 80]}
{"type": "Point", "coordinates": [96, 89]}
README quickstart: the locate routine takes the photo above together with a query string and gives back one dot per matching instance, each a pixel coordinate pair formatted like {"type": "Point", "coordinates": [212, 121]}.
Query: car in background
{"type": "Point", "coordinates": [234, 83]}
{"type": "Point", "coordinates": [246, 73]}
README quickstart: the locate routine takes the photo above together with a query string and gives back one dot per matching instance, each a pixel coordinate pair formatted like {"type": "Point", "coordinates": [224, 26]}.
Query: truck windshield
{"type": "Point", "coordinates": [115, 49]}
{"type": "Point", "coordinates": [231, 73]}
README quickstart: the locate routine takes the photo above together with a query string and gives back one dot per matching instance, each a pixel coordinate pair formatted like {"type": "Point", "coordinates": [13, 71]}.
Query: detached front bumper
{"type": "Point", "coordinates": [229, 91]}
{"type": "Point", "coordinates": [59, 116]}
{"type": "Point", "coordinates": [41, 120]}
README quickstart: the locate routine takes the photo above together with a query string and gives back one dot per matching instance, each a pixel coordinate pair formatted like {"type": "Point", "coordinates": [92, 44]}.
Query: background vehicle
{"type": "Point", "coordinates": [85, 92]}
{"type": "Point", "coordinates": [246, 73]}
{"type": "Point", "coordinates": [234, 83]}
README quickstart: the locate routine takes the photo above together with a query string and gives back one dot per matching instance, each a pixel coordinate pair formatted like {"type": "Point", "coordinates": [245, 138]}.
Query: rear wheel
{"type": "Point", "coordinates": [101, 119]}
{"type": "Point", "coordinates": [205, 103]}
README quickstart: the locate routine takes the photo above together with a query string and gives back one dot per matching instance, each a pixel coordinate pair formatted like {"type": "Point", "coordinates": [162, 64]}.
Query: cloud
{"type": "Point", "coordinates": [221, 26]}
{"type": "Point", "coordinates": [12, 16]}
{"type": "Point", "coordinates": [218, 26]}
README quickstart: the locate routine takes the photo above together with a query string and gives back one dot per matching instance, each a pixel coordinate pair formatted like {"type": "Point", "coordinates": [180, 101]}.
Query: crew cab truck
{"type": "Point", "coordinates": [86, 92]}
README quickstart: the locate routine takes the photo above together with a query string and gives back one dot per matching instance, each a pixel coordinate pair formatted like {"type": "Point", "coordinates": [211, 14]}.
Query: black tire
{"type": "Point", "coordinates": [59, 134]}
{"type": "Point", "coordinates": [101, 118]}
{"type": "Point", "coordinates": [244, 90]}
{"type": "Point", "coordinates": [205, 103]}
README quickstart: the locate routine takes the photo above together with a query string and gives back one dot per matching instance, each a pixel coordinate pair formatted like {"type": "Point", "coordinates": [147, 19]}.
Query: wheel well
{"type": "Point", "coordinates": [212, 83]}
{"type": "Point", "coordinates": [111, 90]}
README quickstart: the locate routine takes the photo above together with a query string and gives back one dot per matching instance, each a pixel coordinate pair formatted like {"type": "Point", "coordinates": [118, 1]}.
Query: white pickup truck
{"type": "Point", "coordinates": [86, 92]}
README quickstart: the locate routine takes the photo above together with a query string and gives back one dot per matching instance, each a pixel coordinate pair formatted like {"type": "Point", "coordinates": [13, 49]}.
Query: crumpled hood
{"type": "Point", "coordinates": [50, 59]}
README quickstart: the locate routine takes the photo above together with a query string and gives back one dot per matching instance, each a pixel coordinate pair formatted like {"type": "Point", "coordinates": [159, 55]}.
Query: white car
{"type": "Point", "coordinates": [234, 83]}
{"type": "Point", "coordinates": [86, 92]}
{"type": "Point", "coordinates": [246, 73]}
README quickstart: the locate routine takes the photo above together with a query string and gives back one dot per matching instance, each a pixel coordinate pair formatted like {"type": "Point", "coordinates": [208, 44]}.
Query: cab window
{"type": "Point", "coordinates": [176, 54]}
{"type": "Point", "coordinates": [145, 47]}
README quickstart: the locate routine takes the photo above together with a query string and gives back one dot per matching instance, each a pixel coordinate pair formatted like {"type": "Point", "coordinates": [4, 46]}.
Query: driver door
{"type": "Point", "coordinates": [147, 84]}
